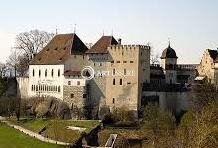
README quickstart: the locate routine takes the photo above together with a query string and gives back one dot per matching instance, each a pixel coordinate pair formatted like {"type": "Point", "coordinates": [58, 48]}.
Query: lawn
{"type": "Point", "coordinates": [57, 129]}
{"type": "Point", "coordinates": [12, 138]}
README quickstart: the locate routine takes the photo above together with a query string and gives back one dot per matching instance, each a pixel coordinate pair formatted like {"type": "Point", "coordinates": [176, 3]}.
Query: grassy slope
{"type": "Point", "coordinates": [11, 138]}
{"type": "Point", "coordinates": [57, 129]}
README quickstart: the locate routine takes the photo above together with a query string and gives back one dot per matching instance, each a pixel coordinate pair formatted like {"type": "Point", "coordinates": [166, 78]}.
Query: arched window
{"type": "Point", "coordinates": [52, 72]}
{"type": "Point", "coordinates": [59, 89]}
{"type": "Point", "coordinates": [46, 73]}
{"type": "Point", "coordinates": [58, 72]}
{"type": "Point", "coordinates": [33, 72]}
{"type": "Point", "coordinates": [39, 73]}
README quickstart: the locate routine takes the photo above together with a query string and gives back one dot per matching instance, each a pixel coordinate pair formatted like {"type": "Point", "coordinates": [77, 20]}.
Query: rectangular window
{"type": "Point", "coordinates": [78, 82]}
{"type": "Point", "coordinates": [124, 72]}
{"type": "Point", "coordinates": [124, 61]}
{"type": "Point", "coordinates": [118, 61]}
{"type": "Point", "coordinates": [84, 95]}
{"type": "Point", "coordinates": [114, 72]}
{"type": "Point", "coordinates": [58, 72]}
{"type": "Point", "coordinates": [39, 73]}
{"type": "Point", "coordinates": [33, 72]}
{"type": "Point", "coordinates": [71, 95]}
{"type": "Point", "coordinates": [112, 61]}
{"type": "Point", "coordinates": [113, 81]}
{"type": "Point", "coordinates": [131, 61]}
{"type": "Point", "coordinates": [69, 82]}
{"type": "Point", "coordinates": [121, 82]}
{"type": "Point", "coordinates": [113, 101]}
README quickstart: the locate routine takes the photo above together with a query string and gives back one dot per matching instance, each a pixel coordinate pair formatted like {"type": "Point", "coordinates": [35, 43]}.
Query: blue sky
{"type": "Point", "coordinates": [191, 25]}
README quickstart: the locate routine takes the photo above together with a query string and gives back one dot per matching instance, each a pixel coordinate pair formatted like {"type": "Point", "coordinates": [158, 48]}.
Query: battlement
{"type": "Point", "coordinates": [128, 47]}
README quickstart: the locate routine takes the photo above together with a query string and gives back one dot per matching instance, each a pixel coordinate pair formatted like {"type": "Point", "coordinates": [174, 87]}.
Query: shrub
{"type": "Point", "coordinates": [123, 115]}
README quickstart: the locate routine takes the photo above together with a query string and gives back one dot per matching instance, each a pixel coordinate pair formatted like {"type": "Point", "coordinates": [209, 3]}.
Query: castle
{"type": "Point", "coordinates": [107, 74]}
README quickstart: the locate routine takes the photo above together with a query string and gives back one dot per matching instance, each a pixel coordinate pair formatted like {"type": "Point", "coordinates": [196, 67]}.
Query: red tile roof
{"type": "Point", "coordinates": [102, 44]}
{"type": "Point", "coordinates": [58, 50]}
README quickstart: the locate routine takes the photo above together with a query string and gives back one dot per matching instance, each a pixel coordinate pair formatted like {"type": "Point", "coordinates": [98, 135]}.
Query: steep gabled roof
{"type": "Point", "coordinates": [58, 50]}
{"type": "Point", "coordinates": [102, 44]}
{"type": "Point", "coordinates": [213, 53]}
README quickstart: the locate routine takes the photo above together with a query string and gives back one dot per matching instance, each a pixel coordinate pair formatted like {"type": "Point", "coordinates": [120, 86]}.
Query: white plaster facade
{"type": "Point", "coordinates": [46, 80]}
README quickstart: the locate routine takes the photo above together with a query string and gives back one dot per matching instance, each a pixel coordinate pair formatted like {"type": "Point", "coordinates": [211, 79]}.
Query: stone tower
{"type": "Point", "coordinates": [169, 65]}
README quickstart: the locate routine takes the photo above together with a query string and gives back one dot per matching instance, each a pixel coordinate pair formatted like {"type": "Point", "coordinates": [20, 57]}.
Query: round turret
{"type": "Point", "coordinates": [168, 53]}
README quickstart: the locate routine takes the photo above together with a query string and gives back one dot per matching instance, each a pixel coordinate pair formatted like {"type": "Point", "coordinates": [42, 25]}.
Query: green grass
{"type": "Point", "coordinates": [11, 138]}
{"type": "Point", "coordinates": [57, 129]}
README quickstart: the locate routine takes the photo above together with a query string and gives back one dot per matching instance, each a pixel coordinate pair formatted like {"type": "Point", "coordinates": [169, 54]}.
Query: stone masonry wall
{"type": "Point", "coordinates": [74, 96]}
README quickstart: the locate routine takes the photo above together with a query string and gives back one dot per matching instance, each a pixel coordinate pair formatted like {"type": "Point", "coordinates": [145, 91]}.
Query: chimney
{"type": "Point", "coordinates": [119, 41]}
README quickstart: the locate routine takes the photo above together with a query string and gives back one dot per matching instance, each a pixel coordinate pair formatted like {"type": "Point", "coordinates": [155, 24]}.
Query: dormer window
{"type": "Point", "coordinates": [56, 49]}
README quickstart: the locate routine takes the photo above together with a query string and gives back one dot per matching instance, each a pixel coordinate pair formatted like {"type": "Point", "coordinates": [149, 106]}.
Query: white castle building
{"type": "Point", "coordinates": [108, 73]}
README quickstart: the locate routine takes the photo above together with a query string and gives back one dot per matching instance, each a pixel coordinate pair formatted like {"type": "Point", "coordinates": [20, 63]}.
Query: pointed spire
{"type": "Point", "coordinates": [74, 29]}
{"type": "Point", "coordinates": [169, 42]}
{"type": "Point", "coordinates": [56, 30]}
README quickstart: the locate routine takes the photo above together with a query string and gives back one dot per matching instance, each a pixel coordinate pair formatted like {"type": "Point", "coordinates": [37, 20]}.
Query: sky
{"type": "Point", "coordinates": [190, 25]}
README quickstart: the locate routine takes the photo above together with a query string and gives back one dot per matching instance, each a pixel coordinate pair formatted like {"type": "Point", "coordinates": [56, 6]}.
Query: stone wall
{"type": "Point", "coordinates": [75, 96]}
{"type": "Point", "coordinates": [173, 101]}
{"type": "Point", "coordinates": [22, 87]}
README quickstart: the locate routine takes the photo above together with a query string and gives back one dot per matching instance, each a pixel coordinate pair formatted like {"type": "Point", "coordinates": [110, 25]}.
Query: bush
{"type": "Point", "coordinates": [108, 119]}
{"type": "Point", "coordinates": [123, 115]}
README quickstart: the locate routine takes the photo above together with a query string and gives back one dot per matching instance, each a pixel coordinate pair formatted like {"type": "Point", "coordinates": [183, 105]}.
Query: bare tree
{"type": "Point", "coordinates": [154, 58]}
{"type": "Point", "coordinates": [12, 62]}
{"type": "Point", "coordinates": [3, 69]}
{"type": "Point", "coordinates": [27, 44]}
{"type": "Point", "coordinates": [32, 42]}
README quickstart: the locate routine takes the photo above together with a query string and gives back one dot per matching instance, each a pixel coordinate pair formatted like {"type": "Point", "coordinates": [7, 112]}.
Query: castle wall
{"type": "Point", "coordinates": [76, 62]}
{"type": "Point", "coordinates": [22, 87]}
{"type": "Point", "coordinates": [173, 101]}
{"type": "Point", "coordinates": [75, 96]}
